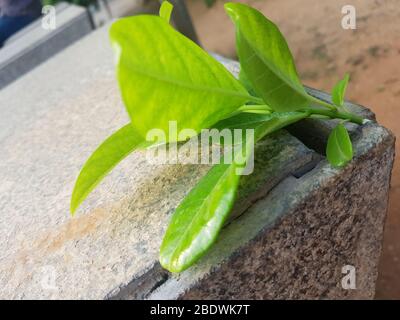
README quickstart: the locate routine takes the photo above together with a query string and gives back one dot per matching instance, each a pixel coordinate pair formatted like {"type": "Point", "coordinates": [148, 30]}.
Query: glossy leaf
{"type": "Point", "coordinates": [245, 82]}
{"type": "Point", "coordinates": [103, 160]}
{"type": "Point", "coordinates": [164, 76]}
{"type": "Point", "coordinates": [339, 150]}
{"type": "Point", "coordinates": [339, 91]}
{"type": "Point", "coordinates": [166, 10]}
{"type": "Point", "coordinates": [266, 60]}
{"type": "Point", "coordinates": [199, 218]}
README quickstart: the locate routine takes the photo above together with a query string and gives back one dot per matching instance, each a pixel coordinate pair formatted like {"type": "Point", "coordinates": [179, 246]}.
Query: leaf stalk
{"type": "Point", "coordinates": [336, 115]}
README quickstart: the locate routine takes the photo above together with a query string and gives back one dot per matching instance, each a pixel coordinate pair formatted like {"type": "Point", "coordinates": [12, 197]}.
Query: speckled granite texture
{"type": "Point", "coordinates": [302, 234]}
{"type": "Point", "coordinates": [297, 220]}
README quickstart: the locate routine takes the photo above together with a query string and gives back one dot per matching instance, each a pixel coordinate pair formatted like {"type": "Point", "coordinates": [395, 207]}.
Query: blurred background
{"type": "Point", "coordinates": [323, 51]}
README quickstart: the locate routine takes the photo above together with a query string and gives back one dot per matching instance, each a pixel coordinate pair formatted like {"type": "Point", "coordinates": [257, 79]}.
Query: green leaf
{"type": "Point", "coordinates": [199, 218]}
{"type": "Point", "coordinates": [339, 150]}
{"type": "Point", "coordinates": [164, 76]}
{"type": "Point", "coordinates": [166, 10]}
{"type": "Point", "coordinates": [339, 91]}
{"type": "Point", "coordinates": [103, 160]}
{"type": "Point", "coordinates": [246, 83]}
{"type": "Point", "coordinates": [266, 60]}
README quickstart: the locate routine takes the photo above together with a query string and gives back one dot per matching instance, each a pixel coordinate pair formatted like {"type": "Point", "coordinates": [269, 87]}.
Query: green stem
{"type": "Point", "coordinates": [336, 115]}
{"type": "Point", "coordinates": [333, 113]}
{"type": "Point", "coordinates": [253, 107]}
{"type": "Point", "coordinates": [323, 103]}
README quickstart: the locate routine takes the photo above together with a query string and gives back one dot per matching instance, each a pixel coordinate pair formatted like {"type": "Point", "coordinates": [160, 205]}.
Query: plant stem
{"type": "Point", "coordinates": [323, 103]}
{"type": "Point", "coordinates": [334, 114]}
{"type": "Point", "coordinates": [254, 107]}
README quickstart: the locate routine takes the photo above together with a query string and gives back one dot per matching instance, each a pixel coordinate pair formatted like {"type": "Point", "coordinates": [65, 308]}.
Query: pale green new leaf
{"type": "Point", "coordinates": [199, 218]}
{"type": "Point", "coordinates": [339, 91]}
{"type": "Point", "coordinates": [166, 10]}
{"type": "Point", "coordinates": [266, 60]}
{"type": "Point", "coordinates": [164, 76]}
{"type": "Point", "coordinates": [339, 150]}
{"type": "Point", "coordinates": [103, 160]}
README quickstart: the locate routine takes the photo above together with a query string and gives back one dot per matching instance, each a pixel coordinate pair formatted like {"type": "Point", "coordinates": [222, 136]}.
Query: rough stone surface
{"type": "Point", "coordinates": [110, 248]}
{"type": "Point", "coordinates": [293, 243]}
{"type": "Point", "coordinates": [34, 44]}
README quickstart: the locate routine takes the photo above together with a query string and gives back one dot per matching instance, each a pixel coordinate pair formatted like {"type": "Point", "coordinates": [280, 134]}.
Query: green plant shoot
{"type": "Point", "coordinates": [163, 77]}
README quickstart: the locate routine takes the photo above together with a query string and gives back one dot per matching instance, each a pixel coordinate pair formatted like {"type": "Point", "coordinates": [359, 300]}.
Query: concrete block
{"type": "Point", "coordinates": [296, 224]}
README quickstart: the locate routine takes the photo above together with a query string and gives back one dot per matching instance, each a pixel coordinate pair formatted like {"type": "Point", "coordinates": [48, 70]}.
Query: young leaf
{"type": "Point", "coordinates": [164, 76]}
{"type": "Point", "coordinates": [199, 218]}
{"type": "Point", "coordinates": [266, 60]}
{"type": "Point", "coordinates": [339, 150]}
{"type": "Point", "coordinates": [103, 160]}
{"type": "Point", "coordinates": [339, 91]}
{"type": "Point", "coordinates": [166, 10]}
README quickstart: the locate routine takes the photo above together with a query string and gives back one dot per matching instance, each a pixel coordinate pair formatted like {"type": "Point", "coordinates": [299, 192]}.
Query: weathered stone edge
{"type": "Point", "coordinates": [179, 286]}
{"type": "Point", "coordinates": [140, 287]}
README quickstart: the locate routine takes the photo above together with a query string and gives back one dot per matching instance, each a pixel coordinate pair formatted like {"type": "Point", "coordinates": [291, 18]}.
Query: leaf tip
{"type": "Point", "coordinates": [166, 10]}
{"type": "Point", "coordinates": [230, 10]}
{"type": "Point", "coordinates": [169, 265]}
{"type": "Point", "coordinates": [74, 204]}
{"type": "Point", "coordinates": [339, 91]}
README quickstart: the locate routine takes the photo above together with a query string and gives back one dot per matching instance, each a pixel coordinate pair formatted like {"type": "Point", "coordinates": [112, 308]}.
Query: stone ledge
{"type": "Point", "coordinates": [285, 232]}
{"type": "Point", "coordinates": [293, 243]}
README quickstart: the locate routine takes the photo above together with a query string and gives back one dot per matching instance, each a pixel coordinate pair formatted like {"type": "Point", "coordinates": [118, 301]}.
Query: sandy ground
{"type": "Point", "coordinates": [324, 52]}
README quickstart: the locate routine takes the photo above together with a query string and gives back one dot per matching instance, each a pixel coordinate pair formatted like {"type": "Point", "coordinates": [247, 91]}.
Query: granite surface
{"type": "Point", "coordinates": [294, 243]}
